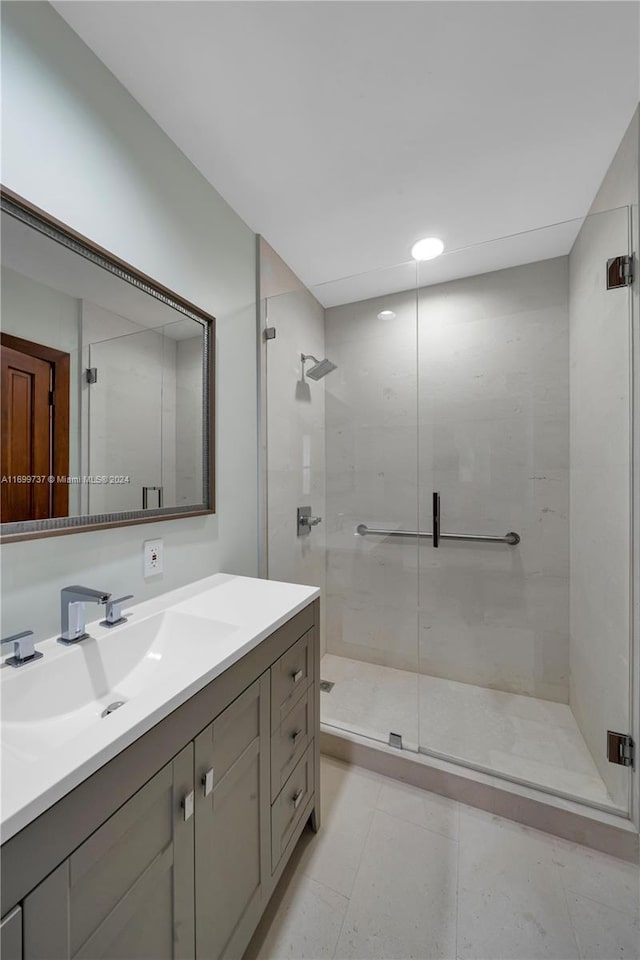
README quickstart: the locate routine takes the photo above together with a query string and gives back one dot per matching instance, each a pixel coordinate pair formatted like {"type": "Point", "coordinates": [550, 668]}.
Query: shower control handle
{"type": "Point", "coordinates": [306, 521]}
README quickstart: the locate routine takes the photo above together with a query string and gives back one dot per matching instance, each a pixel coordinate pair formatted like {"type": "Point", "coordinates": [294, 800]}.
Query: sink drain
{"type": "Point", "coordinates": [112, 706]}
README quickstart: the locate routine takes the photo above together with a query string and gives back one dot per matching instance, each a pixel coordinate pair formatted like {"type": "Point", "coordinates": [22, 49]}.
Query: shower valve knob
{"type": "Point", "coordinates": [306, 521]}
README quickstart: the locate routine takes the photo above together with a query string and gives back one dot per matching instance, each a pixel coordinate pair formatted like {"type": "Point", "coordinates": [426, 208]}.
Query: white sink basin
{"type": "Point", "coordinates": [44, 704]}
{"type": "Point", "coordinates": [53, 733]}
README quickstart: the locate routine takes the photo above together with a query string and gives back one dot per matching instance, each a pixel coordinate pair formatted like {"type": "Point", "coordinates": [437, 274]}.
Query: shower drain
{"type": "Point", "coordinates": [112, 706]}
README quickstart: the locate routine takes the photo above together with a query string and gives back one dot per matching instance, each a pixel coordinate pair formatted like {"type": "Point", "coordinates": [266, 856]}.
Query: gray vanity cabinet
{"type": "Point", "coordinates": [127, 892]}
{"type": "Point", "coordinates": [11, 935]}
{"type": "Point", "coordinates": [172, 849]}
{"type": "Point", "coordinates": [232, 824]}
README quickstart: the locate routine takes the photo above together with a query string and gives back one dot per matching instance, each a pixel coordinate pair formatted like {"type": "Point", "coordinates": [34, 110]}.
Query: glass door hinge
{"type": "Point", "coordinates": [269, 333]}
{"type": "Point", "coordinates": [619, 272]}
{"type": "Point", "coordinates": [620, 748]}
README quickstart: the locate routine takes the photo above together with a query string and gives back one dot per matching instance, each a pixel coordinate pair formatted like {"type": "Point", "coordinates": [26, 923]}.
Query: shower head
{"type": "Point", "coordinates": [319, 369]}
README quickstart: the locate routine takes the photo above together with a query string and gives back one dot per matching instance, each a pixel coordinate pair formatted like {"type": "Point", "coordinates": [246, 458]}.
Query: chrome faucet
{"type": "Point", "coordinates": [24, 650]}
{"type": "Point", "coordinates": [114, 615]}
{"type": "Point", "coordinates": [72, 612]}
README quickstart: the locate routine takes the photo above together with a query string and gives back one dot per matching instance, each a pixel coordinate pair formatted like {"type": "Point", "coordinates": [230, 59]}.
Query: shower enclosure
{"type": "Point", "coordinates": [471, 458]}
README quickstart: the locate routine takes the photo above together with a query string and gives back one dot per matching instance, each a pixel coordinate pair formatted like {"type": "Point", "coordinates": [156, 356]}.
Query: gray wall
{"type": "Point", "coordinates": [76, 144]}
{"type": "Point", "coordinates": [600, 469]}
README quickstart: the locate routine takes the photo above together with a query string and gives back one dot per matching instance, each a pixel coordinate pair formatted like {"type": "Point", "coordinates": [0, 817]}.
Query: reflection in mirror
{"type": "Point", "coordinates": [104, 388]}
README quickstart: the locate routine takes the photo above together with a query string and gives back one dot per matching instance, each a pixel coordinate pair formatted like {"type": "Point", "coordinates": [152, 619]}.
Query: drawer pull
{"type": "Point", "coordinates": [297, 675]}
{"type": "Point", "coordinates": [295, 736]}
{"type": "Point", "coordinates": [207, 782]}
{"type": "Point", "coordinates": [187, 806]}
{"type": "Point", "coordinates": [296, 798]}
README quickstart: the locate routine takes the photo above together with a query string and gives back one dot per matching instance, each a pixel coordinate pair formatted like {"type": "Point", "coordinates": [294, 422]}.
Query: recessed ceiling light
{"type": "Point", "coordinates": [386, 315]}
{"type": "Point", "coordinates": [427, 248]}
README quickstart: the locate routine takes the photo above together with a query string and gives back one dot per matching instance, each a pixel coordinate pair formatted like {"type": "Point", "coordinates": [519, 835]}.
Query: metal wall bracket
{"type": "Point", "coordinates": [619, 272]}
{"type": "Point", "coordinates": [91, 374]}
{"type": "Point", "coordinates": [620, 748]}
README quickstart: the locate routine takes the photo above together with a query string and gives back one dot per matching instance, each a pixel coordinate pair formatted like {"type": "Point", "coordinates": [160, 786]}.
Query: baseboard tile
{"type": "Point", "coordinates": [567, 819]}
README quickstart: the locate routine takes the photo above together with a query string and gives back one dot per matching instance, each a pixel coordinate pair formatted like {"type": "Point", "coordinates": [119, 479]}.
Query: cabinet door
{"type": "Point", "coordinates": [127, 892]}
{"type": "Point", "coordinates": [232, 824]}
{"type": "Point", "coordinates": [11, 935]}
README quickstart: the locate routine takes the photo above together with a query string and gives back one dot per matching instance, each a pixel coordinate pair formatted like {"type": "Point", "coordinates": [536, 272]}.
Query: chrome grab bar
{"type": "Point", "coordinates": [512, 538]}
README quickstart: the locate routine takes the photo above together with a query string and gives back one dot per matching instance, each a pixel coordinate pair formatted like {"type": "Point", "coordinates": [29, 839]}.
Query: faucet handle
{"type": "Point", "coordinates": [23, 648]}
{"type": "Point", "coordinates": [114, 612]}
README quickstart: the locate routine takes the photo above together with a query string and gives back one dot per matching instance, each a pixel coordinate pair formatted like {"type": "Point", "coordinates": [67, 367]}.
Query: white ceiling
{"type": "Point", "coordinates": [343, 131]}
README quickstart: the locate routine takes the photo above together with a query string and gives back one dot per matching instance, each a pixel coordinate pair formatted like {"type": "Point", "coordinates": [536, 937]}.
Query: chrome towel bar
{"type": "Point", "coordinates": [512, 538]}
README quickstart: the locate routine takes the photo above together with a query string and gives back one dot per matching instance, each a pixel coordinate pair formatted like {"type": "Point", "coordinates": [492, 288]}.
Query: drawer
{"type": "Point", "coordinates": [290, 741]}
{"type": "Point", "coordinates": [290, 805]}
{"type": "Point", "coordinates": [290, 675]}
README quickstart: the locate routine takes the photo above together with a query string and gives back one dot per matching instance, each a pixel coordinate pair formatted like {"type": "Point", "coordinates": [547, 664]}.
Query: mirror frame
{"type": "Point", "coordinates": [16, 206]}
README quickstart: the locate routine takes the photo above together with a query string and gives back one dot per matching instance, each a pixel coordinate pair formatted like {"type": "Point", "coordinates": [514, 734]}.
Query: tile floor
{"type": "Point", "coordinates": [537, 741]}
{"type": "Point", "coordinates": [398, 873]}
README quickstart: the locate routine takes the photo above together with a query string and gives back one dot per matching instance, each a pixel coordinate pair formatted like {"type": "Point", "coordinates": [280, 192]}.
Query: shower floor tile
{"type": "Point", "coordinates": [536, 741]}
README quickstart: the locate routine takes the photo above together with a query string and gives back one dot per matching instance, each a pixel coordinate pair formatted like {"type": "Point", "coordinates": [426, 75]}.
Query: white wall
{"type": "Point", "coordinates": [600, 470]}
{"type": "Point", "coordinates": [295, 425]}
{"type": "Point", "coordinates": [487, 398]}
{"type": "Point", "coordinates": [76, 144]}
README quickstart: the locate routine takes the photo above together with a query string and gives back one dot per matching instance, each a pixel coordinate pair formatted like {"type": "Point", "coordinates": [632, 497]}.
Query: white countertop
{"type": "Point", "coordinates": [243, 610]}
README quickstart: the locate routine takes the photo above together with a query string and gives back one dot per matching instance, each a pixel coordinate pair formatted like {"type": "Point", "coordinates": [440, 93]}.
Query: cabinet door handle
{"type": "Point", "coordinates": [296, 676]}
{"type": "Point", "coordinates": [187, 806]}
{"type": "Point", "coordinates": [207, 781]}
{"type": "Point", "coordinates": [295, 736]}
{"type": "Point", "coordinates": [297, 797]}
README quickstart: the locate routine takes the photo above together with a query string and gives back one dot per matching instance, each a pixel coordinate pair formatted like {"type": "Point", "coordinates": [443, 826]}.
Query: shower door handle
{"type": "Point", "coordinates": [436, 519]}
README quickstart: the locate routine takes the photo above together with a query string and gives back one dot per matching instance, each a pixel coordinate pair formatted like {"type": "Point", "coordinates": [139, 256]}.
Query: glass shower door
{"type": "Point", "coordinates": [345, 445]}
{"type": "Point", "coordinates": [372, 517]}
{"type": "Point", "coordinates": [524, 441]}
{"type": "Point", "coordinates": [127, 422]}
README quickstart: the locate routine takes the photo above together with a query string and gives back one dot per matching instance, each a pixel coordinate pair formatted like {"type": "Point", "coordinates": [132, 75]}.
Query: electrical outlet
{"type": "Point", "coordinates": [152, 553]}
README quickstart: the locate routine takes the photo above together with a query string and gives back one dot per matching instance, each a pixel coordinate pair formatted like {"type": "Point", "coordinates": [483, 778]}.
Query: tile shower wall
{"type": "Point", "coordinates": [371, 417]}
{"type": "Point", "coordinates": [489, 394]}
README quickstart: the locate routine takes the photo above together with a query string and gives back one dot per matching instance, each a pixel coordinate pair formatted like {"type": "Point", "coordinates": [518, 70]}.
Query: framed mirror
{"type": "Point", "coordinates": [107, 387]}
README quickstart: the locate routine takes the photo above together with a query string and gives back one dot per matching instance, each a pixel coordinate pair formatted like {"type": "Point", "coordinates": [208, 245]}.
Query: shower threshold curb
{"type": "Point", "coordinates": [570, 820]}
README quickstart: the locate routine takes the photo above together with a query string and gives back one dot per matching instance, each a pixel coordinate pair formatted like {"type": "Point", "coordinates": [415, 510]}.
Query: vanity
{"type": "Point", "coordinates": [157, 776]}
